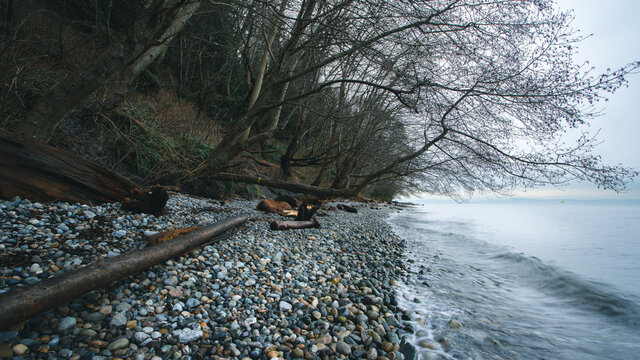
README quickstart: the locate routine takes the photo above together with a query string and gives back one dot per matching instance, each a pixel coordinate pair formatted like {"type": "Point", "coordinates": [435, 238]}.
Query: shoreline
{"type": "Point", "coordinates": [311, 293]}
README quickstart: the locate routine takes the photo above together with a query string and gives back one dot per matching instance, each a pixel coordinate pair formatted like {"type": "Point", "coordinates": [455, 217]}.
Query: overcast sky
{"type": "Point", "coordinates": [614, 43]}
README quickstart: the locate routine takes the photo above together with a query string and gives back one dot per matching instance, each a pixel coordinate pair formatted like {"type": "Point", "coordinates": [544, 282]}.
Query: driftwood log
{"type": "Point", "coordinates": [286, 225]}
{"type": "Point", "coordinates": [169, 235]}
{"type": "Point", "coordinates": [39, 172]}
{"type": "Point", "coordinates": [294, 187]}
{"type": "Point", "coordinates": [347, 208]}
{"type": "Point", "coordinates": [306, 212]}
{"type": "Point", "coordinates": [22, 303]}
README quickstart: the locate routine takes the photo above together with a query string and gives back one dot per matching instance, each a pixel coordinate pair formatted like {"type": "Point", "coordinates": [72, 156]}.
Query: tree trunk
{"type": "Point", "coordinates": [22, 303]}
{"type": "Point", "coordinates": [325, 163]}
{"type": "Point", "coordinates": [43, 118]}
{"type": "Point", "coordinates": [39, 172]}
{"type": "Point", "coordinates": [286, 225]}
{"type": "Point", "coordinates": [292, 148]}
{"type": "Point", "coordinates": [299, 188]}
{"type": "Point", "coordinates": [121, 84]}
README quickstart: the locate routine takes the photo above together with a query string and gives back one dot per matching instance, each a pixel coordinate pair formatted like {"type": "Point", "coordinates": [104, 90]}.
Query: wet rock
{"type": "Point", "coordinates": [185, 336]}
{"type": "Point", "coordinates": [118, 344]}
{"type": "Point", "coordinates": [67, 323]}
{"type": "Point", "coordinates": [455, 324]}
{"type": "Point", "coordinates": [343, 348]}
{"type": "Point", "coordinates": [118, 320]}
{"type": "Point", "coordinates": [19, 349]}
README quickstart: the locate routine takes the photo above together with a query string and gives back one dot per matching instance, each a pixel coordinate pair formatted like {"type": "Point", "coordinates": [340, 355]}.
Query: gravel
{"type": "Point", "coordinates": [307, 293]}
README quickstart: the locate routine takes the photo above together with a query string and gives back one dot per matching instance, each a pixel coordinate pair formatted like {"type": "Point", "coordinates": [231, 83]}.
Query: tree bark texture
{"type": "Point", "coordinates": [300, 188]}
{"type": "Point", "coordinates": [43, 118]}
{"type": "Point", "coordinates": [40, 172]}
{"type": "Point", "coordinates": [22, 303]}
{"type": "Point", "coordinates": [287, 225]}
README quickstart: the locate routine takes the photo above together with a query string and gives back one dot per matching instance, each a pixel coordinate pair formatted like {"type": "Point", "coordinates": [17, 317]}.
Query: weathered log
{"type": "Point", "coordinates": [347, 208]}
{"type": "Point", "coordinates": [286, 225]}
{"type": "Point", "coordinates": [42, 173]}
{"type": "Point", "coordinates": [306, 212]}
{"type": "Point", "coordinates": [22, 303]}
{"type": "Point", "coordinates": [273, 206]}
{"type": "Point", "coordinates": [288, 213]}
{"type": "Point", "coordinates": [293, 202]}
{"type": "Point", "coordinates": [169, 235]}
{"type": "Point", "coordinates": [299, 188]}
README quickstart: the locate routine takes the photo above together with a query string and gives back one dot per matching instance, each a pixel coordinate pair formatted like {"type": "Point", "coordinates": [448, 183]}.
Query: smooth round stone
{"type": "Point", "coordinates": [455, 324]}
{"type": "Point", "coordinates": [118, 344]}
{"type": "Point", "coordinates": [285, 306]}
{"type": "Point", "coordinates": [19, 349]}
{"type": "Point", "coordinates": [387, 346]}
{"type": "Point", "coordinates": [343, 348]}
{"type": "Point", "coordinates": [140, 337]}
{"type": "Point", "coordinates": [191, 303]}
{"type": "Point", "coordinates": [118, 320]}
{"type": "Point", "coordinates": [427, 345]}
{"type": "Point", "coordinates": [94, 317]}
{"type": "Point", "coordinates": [67, 323]}
{"type": "Point", "coordinates": [255, 354]}
{"type": "Point", "coordinates": [54, 342]}
{"type": "Point", "coordinates": [297, 353]}
{"type": "Point", "coordinates": [393, 337]}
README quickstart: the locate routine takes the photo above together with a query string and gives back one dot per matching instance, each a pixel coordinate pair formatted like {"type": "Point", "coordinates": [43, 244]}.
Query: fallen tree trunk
{"type": "Point", "coordinates": [347, 208]}
{"type": "Point", "coordinates": [169, 235]}
{"type": "Point", "coordinates": [286, 225]}
{"type": "Point", "coordinates": [22, 303]}
{"type": "Point", "coordinates": [39, 172]}
{"type": "Point", "coordinates": [300, 188]}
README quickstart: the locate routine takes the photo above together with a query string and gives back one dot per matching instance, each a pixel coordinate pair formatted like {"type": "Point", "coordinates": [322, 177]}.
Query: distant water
{"type": "Point", "coordinates": [526, 279]}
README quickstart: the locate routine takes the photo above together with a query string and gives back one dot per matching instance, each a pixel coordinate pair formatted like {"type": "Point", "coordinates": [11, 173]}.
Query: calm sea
{"type": "Point", "coordinates": [524, 279]}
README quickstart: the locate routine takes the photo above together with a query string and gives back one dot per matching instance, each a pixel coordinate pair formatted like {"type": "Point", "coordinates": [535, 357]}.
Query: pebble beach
{"type": "Point", "coordinates": [320, 293]}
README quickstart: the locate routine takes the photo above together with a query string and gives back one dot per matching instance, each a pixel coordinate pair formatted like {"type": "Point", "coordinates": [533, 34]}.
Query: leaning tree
{"type": "Point", "coordinates": [485, 90]}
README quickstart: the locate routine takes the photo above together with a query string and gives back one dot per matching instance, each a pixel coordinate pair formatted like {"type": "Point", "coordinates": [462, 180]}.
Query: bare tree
{"type": "Point", "coordinates": [130, 55]}
{"type": "Point", "coordinates": [480, 78]}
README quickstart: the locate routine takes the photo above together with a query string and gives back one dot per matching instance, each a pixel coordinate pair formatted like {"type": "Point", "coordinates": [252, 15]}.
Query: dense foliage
{"type": "Point", "coordinates": [375, 97]}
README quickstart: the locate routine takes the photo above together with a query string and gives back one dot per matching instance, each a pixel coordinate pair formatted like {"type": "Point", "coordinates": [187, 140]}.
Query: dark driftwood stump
{"type": "Point", "coordinates": [150, 200]}
{"type": "Point", "coordinates": [306, 211]}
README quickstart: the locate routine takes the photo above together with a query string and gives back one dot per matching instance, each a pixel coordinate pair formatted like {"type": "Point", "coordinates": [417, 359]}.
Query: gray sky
{"type": "Point", "coordinates": [614, 43]}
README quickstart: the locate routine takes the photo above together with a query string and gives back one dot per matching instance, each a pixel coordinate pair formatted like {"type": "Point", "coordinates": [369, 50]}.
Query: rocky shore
{"type": "Point", "coordinates": [320, 293]}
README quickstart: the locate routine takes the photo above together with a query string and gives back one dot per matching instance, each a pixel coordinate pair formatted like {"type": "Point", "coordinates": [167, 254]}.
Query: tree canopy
{"type": "Point", "coordinates": [358, 96]}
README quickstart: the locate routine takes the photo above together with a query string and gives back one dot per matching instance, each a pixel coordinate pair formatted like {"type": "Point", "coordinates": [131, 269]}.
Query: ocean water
{"type": "Point", "coordinates": [523, 279]}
